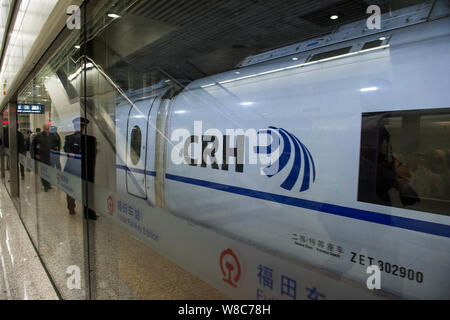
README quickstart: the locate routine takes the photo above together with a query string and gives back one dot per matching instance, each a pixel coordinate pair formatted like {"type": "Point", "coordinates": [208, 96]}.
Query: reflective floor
{"type": "Point", "coordinates": [57, 235]}
{"type": "Point", "coordinates": [22, 276]}
{"type": "Point", "coordinates": [126, 269]}
{"type": "Point", "coordinates": [121, 266]}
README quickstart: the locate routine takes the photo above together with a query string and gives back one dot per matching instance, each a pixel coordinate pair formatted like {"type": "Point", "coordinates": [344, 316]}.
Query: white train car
{"type": "Point", "coordinates": [362, 131]}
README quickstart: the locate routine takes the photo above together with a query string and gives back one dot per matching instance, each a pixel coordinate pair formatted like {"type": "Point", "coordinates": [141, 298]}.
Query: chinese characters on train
{"type": "Point", "coordinates": [288, 289]}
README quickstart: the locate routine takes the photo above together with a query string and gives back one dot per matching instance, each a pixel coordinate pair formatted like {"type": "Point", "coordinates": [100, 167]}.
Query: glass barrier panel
{"type": "Point", "coordinates": [51, 193]}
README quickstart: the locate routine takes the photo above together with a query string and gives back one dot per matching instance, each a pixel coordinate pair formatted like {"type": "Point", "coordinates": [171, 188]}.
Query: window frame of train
{"type": "Point", "coordinates": [381, 166]}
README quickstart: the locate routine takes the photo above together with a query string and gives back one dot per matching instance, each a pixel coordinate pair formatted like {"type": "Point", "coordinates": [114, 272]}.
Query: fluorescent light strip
{"type": "Point", "coordinates": [295, 66]}
{"type": "Point", "coordinates": [368, 89]}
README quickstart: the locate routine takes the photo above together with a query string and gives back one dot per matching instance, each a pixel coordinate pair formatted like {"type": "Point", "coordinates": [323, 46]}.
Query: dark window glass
{"type": "Point", "coordinates": [405, 160]}
{"type": "Point", "coordinates": [372, 44]}
{"type": "Point", "coordinates": [136, 138]}
{"type": "Point", "coordinates": [329, 54]}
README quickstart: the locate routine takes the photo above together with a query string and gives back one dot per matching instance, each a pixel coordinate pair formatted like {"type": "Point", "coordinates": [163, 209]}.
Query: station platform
{"type": "Point", "coordinates": [22, 276]}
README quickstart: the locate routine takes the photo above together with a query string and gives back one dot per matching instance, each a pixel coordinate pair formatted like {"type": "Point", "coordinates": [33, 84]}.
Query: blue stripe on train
{"type": "Point", "coordinates": [364, 215]}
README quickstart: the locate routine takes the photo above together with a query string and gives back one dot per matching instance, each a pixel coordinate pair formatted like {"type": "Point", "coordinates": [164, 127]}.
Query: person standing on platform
{"type": "Point", "coordinates": [40, 150]}
{"type": "Point", "coordinates": [82, 152]}
{"type": "Point", "coordinates": [38, 131]}
{"type": "Point", "coordinates": [21, 148]}
{"type": "Point", "coordinates": [28, 140]}
{"type": "Point", "coordinates": [55, 148]}
{"type": "Point", "coordinates": [5, 143]}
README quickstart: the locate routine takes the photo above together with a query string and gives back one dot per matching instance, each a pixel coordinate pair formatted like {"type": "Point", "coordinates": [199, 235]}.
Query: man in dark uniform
{"type": "Point", "coordinates": [6, 145]}
{"type": "Point", "coordinates": [40, 150]}
{"type": "Point", "coordinates": [55, 148]}
{"type": "Point", "coordinates": [21, 149]}
{"type": "Point", "coordinates": [20, 146]}
{"type": "Point", "coordinates": [80, 145]}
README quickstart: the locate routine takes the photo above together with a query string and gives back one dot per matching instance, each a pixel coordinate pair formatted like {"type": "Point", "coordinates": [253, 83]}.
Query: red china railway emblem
{"type": "Point", "coordinates": [110, 205]}
{"type": "Point", "coordinates": [230, 267]}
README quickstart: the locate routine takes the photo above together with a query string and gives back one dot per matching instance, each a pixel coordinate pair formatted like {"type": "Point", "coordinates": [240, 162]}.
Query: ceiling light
{"type": "Point", "coordinates": [368, 89]}
{"type": "Point", "coordinates": [334, 17]}
{"type": "Point", "coordinates": [382, 38]}
{"type": "Point", "coordinates": [298, 66]}
{"type": "Point", "coordinates": [113, 15]}
{"type": "Point", "coordinates": [295, 59]}
{"type": "Point", "coordinates": [77, 47]}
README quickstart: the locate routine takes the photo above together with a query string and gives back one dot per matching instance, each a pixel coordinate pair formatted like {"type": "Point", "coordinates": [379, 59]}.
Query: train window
{"type": "Point", "coordinates": [405, 160]}
{"type": "Point", "coordinates": [372, 44]}
{"type": "Point", "coordinates": [135, 143]}
{"type": "Point", "coordinates": [329, 54]}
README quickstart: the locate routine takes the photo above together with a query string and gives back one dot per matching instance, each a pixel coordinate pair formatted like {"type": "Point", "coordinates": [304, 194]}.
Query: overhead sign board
{"type": "Point", "coordinates": [30, 108]}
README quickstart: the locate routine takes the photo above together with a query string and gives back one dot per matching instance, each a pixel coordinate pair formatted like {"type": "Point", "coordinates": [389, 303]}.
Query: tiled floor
{"type": "Point", "coordinates": [121, 267]}
{"type": "Point", "coordinates": [22, 276]}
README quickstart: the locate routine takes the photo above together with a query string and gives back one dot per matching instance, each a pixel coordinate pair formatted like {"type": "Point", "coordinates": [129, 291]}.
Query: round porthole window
{"type": "Point", "coordinates": [136, 140]}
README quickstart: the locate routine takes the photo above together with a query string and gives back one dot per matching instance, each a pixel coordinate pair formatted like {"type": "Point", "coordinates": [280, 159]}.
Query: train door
{"type": "Point", "coordinates": [136, 153]}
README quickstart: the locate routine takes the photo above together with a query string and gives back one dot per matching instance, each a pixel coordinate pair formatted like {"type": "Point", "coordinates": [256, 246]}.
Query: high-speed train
{"type": "Point", "coordinates": [362, 139]}
{"type": "Point", "coordinates": [334, 151]}
{"type": "Point", "coordinates": [359, 131]}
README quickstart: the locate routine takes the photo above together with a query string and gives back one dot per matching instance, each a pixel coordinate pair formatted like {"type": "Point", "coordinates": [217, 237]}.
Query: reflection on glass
{"type": "Point", "coordinates": [405, 160]}
{"type": "Point", "coordinates": [46, 116]}
{"type": "Point", "coordinates": [102, 145]}
{"type": "Point", "coordinates": [6, 152]}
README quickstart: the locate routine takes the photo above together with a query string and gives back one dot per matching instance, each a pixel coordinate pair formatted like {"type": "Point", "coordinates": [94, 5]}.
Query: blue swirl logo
{"type": "Point", "coordinates": [301, 168]}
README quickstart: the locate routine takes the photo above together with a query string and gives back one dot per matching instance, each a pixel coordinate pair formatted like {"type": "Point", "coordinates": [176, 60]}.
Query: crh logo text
{"type": "Point", "coordinates": [280, 154]}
